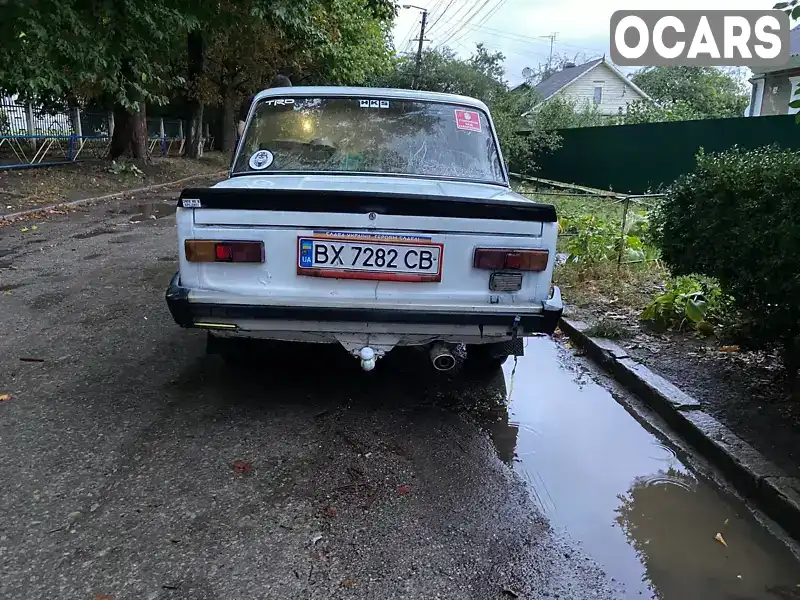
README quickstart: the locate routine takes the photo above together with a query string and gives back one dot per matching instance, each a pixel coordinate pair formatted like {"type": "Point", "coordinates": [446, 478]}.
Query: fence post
{"type": "Point", "coordinates": [30, 124]}
{"type": "Point", "coordinates": [76, 122]}
{"type": "Point", "coordinates": [622, 236]}
{"type": "Point", "coordinates": [163, 136]}
{"type": "Point", "coordinates": [110, 124]}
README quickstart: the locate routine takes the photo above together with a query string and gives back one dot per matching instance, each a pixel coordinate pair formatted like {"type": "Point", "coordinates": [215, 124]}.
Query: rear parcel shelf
{"type": "Point", "coordinates": [354, 202]}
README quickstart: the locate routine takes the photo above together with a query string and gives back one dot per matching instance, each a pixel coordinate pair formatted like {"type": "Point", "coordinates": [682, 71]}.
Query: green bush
{"type": "Point", "coordinates": [592, 239]}
{"type": "Point", "coordinates": [737, 218]}
{"type": "Point", "coordinates": [689, 301]}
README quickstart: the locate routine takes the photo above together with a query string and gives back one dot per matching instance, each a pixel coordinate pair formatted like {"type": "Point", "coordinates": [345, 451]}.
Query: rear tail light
{"type": "Point", "coordinates": [510, 258]}
{"type": "Point", "coordinates": [219, 251]}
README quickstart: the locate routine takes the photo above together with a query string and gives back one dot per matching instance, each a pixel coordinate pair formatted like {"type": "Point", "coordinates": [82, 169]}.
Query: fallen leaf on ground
{"type": "Point", "coordinates": [509, 592]}
{"type": "Point", "coordinates": [721, 539]}
{"type": "Point", "coordinates": [102, 597]}
{"type": "Point", "coordinates": [4, 397]}
{"type": "Point", "coordinates": [242, 466]}
{"type": "Point", "coordinates": [348, 583]}
{"type": "Point", "coordinates": [330, 511]}
{"type": "Point", "coordinates": [30, 359]}
{"type": "Point", "coordinates": [403, 490]}
{"type": "Point", "coordinates": [729, 348]}
{"type": "Point", "coordinates": [726, 521]}
{"type": "Point", "coordinates": [24, 229]}
{"type": "Point", "coordinates": [34, 227]}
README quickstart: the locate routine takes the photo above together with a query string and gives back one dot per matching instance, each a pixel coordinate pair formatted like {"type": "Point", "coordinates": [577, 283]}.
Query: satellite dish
{"type": "Point", "coordinates": [527, 72]}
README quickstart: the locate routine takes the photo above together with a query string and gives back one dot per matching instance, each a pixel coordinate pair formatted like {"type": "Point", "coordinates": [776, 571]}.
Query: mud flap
{"type": "Point", "coordinates": [513, 347]}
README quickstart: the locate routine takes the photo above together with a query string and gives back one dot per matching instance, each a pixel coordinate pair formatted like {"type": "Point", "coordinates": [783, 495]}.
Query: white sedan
{"type": "Point", "coordinates": [372, 218]}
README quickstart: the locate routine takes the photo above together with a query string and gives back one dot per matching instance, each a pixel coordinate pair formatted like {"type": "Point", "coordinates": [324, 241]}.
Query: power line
{"type": "Point", "coordinates": [464, 8]}
{"type": "Point", "coordinates": [455, 30]}
{"type": "Point", "coordinates": [439, 17]}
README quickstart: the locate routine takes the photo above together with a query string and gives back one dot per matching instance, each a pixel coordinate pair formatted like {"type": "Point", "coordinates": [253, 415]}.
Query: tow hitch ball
{"type": "Point", "coordinates": [367, 356]}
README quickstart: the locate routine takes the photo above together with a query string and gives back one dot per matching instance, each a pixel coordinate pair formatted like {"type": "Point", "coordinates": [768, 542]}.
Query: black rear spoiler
{"type": "Point", "coordinates": [383, 203]}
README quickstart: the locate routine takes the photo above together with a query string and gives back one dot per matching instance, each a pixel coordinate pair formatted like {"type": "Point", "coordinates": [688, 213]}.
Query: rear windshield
{"type": "Point", "coordinates": [352, 135]}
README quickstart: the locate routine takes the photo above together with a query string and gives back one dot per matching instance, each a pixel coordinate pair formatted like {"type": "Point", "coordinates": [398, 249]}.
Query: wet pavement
{"type": "Point", "coordinates": [135, 466]}
{"type": "Point", "coordinates": [604, 480]}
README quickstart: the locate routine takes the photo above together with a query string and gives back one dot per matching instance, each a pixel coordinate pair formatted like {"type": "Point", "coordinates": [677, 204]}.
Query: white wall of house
{"type": "Point", "coordinates": [614, 93]}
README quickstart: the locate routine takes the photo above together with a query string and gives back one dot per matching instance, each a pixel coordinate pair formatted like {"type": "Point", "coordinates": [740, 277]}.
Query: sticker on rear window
{"type": "Point", "coordinates": [468, 120]}
{"type": "Point", "coordinates": [261, 160]}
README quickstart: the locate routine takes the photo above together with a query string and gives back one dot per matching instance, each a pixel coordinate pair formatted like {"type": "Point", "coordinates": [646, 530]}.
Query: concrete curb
{"type": "Point", "coordinates": [755, 477]}
{"type": "Point", "coordinates": [147, 188]}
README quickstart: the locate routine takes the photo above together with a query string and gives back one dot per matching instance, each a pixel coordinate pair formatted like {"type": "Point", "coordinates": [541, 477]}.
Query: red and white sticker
{"type": "Point", "coordinates": [469, 120]}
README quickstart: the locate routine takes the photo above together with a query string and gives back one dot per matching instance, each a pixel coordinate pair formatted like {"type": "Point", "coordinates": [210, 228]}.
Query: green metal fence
{"type": "Point", "coordinates": [641, 158]}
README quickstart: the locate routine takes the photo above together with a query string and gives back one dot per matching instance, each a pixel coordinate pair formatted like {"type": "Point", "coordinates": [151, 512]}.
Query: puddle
{"type": "Point", "coordinates": [151, 211]}
{"type": "Point", "coordinates": [625, 497]}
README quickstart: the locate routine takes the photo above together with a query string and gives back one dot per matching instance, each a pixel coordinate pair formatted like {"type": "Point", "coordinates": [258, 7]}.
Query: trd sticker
{"type": "Point", "coordinates": [279, 102]}
{"type": "Point", "coordinates": [261, 160]}
{"type": "Point", "coordinates": [468, 120]}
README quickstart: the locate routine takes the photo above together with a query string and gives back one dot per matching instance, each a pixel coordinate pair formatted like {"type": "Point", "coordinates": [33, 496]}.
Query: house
{"type": "Point", "coordinates": [774, 88]}
{"type": "Point", "coordinates": [597, 82]}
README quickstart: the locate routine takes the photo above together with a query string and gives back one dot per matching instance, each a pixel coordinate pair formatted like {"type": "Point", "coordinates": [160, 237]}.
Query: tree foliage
{"type": "Point", "coordinates": [704, 92]}
{"type": "Point", "coordinates": [128, 53]}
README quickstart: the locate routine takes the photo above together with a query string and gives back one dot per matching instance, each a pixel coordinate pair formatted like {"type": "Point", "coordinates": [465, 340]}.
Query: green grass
{"type": "Point", "coordinates": [631, 286]}
{"type": "Point", "coordinates": [608, 329]}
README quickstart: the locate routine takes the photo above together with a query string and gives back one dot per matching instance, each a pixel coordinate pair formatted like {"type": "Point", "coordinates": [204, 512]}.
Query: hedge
{"type": "Point", "coordinates": [737, 218]}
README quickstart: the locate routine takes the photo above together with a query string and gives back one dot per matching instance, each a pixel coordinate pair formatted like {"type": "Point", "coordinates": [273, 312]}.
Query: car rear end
{"type": "Point", "coordinates": [372, 221]}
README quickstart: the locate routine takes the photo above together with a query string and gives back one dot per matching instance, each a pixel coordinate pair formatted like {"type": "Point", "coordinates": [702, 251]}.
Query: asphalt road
{"type": "Point", "coordinates": [133, 466]}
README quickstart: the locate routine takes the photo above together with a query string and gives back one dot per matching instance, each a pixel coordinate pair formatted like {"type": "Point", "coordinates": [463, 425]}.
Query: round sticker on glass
{"type": "Point", "coordinates": [261, 160]}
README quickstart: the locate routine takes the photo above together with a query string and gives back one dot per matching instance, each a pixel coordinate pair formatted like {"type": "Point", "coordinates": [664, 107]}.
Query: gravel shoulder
{"type": "Point", "coordinates": [135, 466]}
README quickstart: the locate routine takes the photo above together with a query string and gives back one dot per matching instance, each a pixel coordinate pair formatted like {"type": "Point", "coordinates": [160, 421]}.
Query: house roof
{"type": "Point", "coordinates": [563, 78]}
{"type": "Point", "coordinates": [558, 81]}
{"type": "Point", "coordinates": [792, 64]}
{"type": "Point", "coordinates": [794, 41]}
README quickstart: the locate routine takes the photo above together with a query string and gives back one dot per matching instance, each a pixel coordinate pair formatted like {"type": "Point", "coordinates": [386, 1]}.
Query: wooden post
{"type": "Point", "coordinates": [110, 124]}
{"type": "Point", "coordinates": [622, 236]}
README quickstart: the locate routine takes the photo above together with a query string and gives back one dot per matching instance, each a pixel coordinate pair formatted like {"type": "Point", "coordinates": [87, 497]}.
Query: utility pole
{"type": "Point", "coordinates": [552, 37]}
{"type": "Point", "coordinates": [418, 70]}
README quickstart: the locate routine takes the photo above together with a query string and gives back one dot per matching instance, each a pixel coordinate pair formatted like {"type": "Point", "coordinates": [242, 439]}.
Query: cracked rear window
{"type": "Point", "coordinates": [352, 135]}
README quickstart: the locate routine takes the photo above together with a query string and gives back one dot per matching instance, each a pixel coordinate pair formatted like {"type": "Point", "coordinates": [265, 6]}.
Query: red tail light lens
{"type": "Point", "coordinates": [510, 258]}
{"type": "Point", "coordinates": [222, 251]}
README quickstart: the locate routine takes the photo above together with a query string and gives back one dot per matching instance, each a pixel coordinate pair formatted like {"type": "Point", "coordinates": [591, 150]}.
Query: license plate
{"type": "Point", "coordinates": [364, 259]}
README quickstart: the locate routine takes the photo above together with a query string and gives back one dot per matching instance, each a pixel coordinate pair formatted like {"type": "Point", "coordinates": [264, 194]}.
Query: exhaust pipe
{"type": "Point", "coordinates": [441, 358]}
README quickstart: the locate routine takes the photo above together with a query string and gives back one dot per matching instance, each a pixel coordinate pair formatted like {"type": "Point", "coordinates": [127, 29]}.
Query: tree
{"type": "Point", "coordinates": [708, 92]}
{"type": "Point", "coordinates": [316, 42]}
{"type": "Point", "coordinates": [117, 51]}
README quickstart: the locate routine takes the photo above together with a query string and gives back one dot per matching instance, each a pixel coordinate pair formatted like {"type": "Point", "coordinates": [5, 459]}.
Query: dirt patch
{"type": "Point", "coordinates": [31, 188]}
{"type": "Point", "coordinates": [47, 300]}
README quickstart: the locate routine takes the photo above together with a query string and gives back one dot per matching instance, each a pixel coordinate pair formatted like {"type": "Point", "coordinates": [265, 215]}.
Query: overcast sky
{"type": "Point", "coordinates": [519, 28]}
